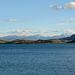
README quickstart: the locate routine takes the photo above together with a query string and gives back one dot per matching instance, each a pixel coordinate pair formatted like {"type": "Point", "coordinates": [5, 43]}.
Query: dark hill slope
{"type": "Point", "coordinates": [73, 41]}
{"type": "Point", "coordinates": [69, 38]}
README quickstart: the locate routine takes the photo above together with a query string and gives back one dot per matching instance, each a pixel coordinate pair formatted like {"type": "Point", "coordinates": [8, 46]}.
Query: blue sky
{"type": "Point", "coordinates": [32, 17]}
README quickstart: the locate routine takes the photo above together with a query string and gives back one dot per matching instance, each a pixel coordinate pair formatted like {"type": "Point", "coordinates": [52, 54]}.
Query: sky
{"type": "Point", "coordinates": [37, 17]}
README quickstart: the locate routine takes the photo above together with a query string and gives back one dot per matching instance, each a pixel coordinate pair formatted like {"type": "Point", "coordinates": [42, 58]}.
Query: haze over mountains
{"type": "Point", "coordinates": [33, 37]}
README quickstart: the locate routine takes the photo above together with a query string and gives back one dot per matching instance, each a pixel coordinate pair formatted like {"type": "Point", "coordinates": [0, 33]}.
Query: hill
{"type": "Point", "coordinates": [73, 41]}
{"type": "Point", "coordinates": [23, 41]}
{"type": "Point", "coordinates": [69, 38]}
{"type": "Point", "coordinates": [4, 41]}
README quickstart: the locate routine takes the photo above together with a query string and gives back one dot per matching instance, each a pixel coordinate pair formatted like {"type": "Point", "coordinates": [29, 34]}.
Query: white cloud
{"type": "Point", "coordinates": [72, 20]}
{"type": "Point", "coordinates": [27, 31]}
{"type": "Point", "coordinates": [61, 23]}
{"type": "Point", "coordinates": [16, 32]}
{"type": "Point", "coordinates": [67, 20]}
{"type": "Point", "coordinates": [56, 31]}
{"type": "Point", "coordinates": [69, 32]}
{"type": "Point", "coordinates": [14, 20]}
{"type": "Point", "coordinates": [30, 19]}
{"type": "Point", "coordinates": [51, 6]}
{"type": "Point", "coordinates": [68, 6]}
{"type": "Point", "coordinates": [32, 31]}
{"type": "Point", "coordinates": [63, 20]}
{"type": "Point", "coordinates": [56, 7]}
{"type": "Point", "coordinates": [36, 13]}
{"type": "Point", "coordinates": [59, 7]}
{"type": "Point", "coordinates": [55, 12]}
{"type": "Point", "coordinates": [44, 31]}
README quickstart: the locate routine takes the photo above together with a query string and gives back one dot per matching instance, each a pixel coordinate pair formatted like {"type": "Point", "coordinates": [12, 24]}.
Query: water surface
{"type": "Point", "coordinates": [37, 59]}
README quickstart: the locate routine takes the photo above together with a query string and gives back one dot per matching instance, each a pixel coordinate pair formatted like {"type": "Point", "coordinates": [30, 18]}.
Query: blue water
{"type": "Point", "coordinates": [37, 59]}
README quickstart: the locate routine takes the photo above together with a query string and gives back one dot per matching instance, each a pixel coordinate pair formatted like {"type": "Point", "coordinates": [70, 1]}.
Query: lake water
{"type": "Point", "coordinates": [37, 59]}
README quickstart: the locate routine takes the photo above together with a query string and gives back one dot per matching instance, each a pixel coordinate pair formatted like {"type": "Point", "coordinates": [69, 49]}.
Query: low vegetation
{"type": "Point", "coordinates": [23, 41]}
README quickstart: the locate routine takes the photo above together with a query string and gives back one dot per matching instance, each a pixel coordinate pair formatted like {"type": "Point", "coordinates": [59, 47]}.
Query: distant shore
{"type": "Point", "coordinates": [24, 41]}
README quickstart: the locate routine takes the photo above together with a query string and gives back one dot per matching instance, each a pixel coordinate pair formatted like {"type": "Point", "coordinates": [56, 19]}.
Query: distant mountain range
{"type": "Point", "coordinates": [69, 38]}
{"type": "Point", "coordinates": [72, 38]}
{"type": "Point", "coordinates": [20, 40]}
{"type": "Point", "coordinates": [33, 37]}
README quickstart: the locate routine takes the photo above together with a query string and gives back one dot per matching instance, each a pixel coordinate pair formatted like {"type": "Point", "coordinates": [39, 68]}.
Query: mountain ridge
{"type": "Point", "coordinates": [72, 37]}
{"type": "Point", "coordinates": [32, 37]}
